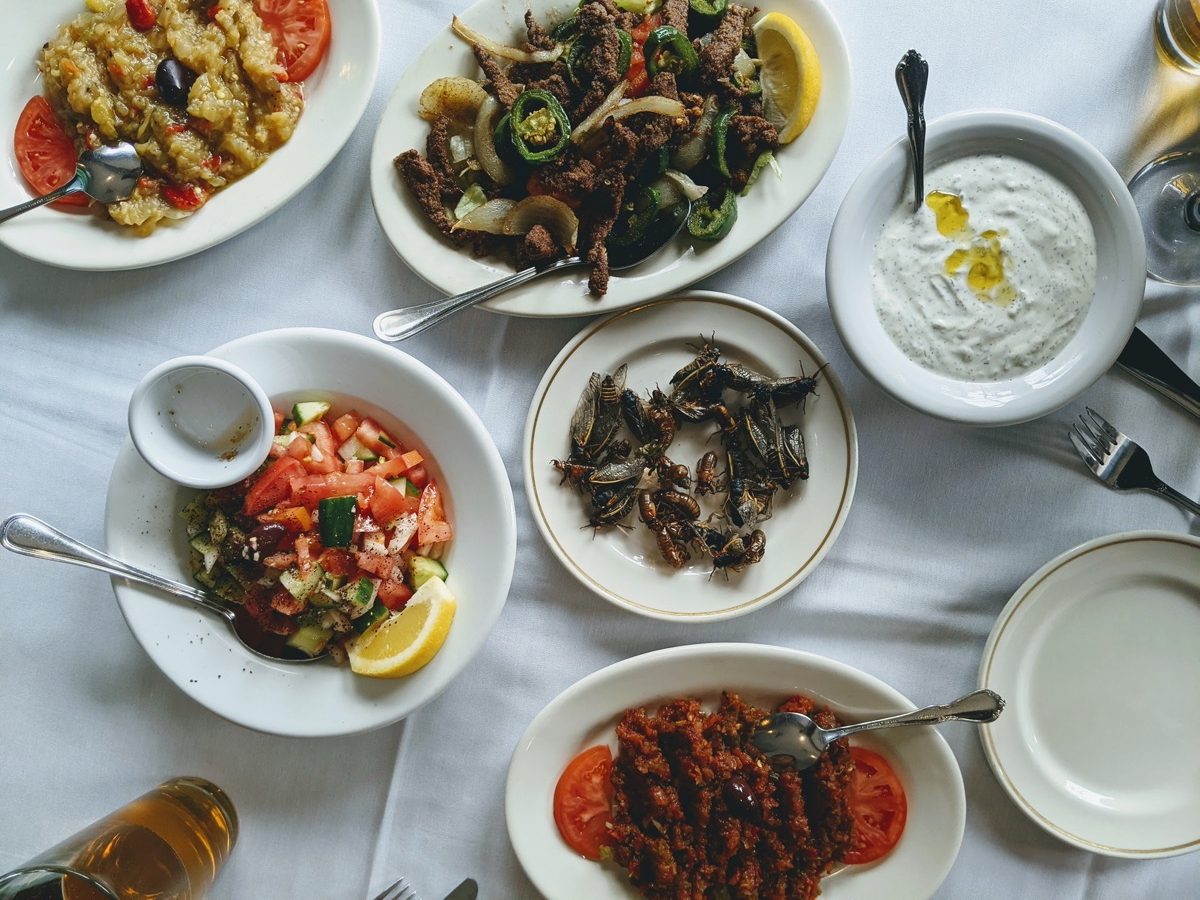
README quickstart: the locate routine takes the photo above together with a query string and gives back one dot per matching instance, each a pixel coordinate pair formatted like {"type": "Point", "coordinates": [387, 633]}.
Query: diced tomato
{"type": "Point", "coordinates": [310, 490]}
{"type": "Point", "coordinates": [213, 163]}
{"type": "Point", "coordinates": [279, 561]}
{"type": "Point", "coordinates": [373, 437]}
{"type": "Point", "coordinates": [354, 466]}
{"type": "Point", "coordinates": [45, 153]}
{"type": "Point", "coordinates": [376, 564]}
{"type": "Point", "coordinates": [394, 593]}
{"type": "Point", "coordinates": [535, 188]}
{"type": "Point", "coordinates": [418, 476]}
{"type": "Point", "coordinates": [278, 420]}
{"type": "Point", "coordinates": [175, 128]}
{"type": "Point", "coordinates": [583, 801]}
{"type": "Point", "coordinates": [276, 451]}
{"type": "Point", "coordinates": [642, 31]}
{"type": "Point", "coordinates": [344, 426]}
{"type": "Point", "coordinates": [116, 72]}
{"type": "Point", "coordinates": [323, 458]}
{"type": "Point", "coordinates": [294, 518]}
{"type": "Point", "coordinates": [142, 14]}
{"type": "Point", "coordinates": [273, 486]}
{"type": "Point", "coordinates": [323, 465]}
{"type": "Point", "coordinates": [388, 504]}
{"type": "Point", "coordinates": [432, 526]}
{"type": "Point", "coordinates": [298, 448]}
{"type": "Point", "coordinates": [390, 468]}
{"type": "Point", "coordinates": [306, 546]}
{"type": "Point", "coordinates": [637, 76]}
{"type": "Point", "coordinates": [878, 808]}
{"type": "Point", "coordinates": [188, 197]}
{"type": "Point", "coordinates": [337, 562]}
{"type": "Point", "coordinates": [300, 29]}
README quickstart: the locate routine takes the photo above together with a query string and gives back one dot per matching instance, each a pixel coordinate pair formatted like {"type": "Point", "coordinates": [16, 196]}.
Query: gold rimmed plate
{"type": "Point", "coordinates": [623, 566]}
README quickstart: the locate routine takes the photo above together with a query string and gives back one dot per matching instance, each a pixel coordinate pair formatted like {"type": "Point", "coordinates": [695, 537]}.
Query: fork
{"type": "Point", "coordinates": [1119, 461]}
{"type": "Point", "coordinates": [400, 889]}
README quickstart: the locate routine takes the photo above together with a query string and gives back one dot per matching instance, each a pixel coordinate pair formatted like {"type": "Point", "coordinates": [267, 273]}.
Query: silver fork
{"type": "Point", "coordinates": [398, 890]}
{"type": "Point", "coordinates": [1119, 461]}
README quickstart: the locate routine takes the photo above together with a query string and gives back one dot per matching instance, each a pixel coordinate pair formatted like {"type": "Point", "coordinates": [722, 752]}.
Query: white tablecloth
{"type": "Point", "coordinates": [946, 522]}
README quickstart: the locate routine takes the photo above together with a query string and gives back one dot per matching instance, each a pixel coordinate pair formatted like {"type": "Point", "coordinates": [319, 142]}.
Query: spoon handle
{"type": "Point", "coordinates": [74, 186]}
{"type": "Point", "coordinates": [979, 706]}
{"type": "Point", "coordinates": [398, 324]}
{"type": "Point", "coordinates": [32, 537]}
{"type": "Point", "coordinates": [912, 77]}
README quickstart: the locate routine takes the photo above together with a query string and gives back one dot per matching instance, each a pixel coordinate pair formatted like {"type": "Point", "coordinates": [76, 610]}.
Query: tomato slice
{"type": "Point", "coordinates": [273, 486]}
{"type": "Point", "coordinates": [394, 593]}
{"type": "Point", "coordinates": [583, 801]}
{"type": "Point", "coordinates": [301, 30]}
{"type": "Point", "coordinates": [45, 153]}
{"type": "Point", "coordinates": [432, 526]}
{"type": "Point", "coordinates": [878, 806]}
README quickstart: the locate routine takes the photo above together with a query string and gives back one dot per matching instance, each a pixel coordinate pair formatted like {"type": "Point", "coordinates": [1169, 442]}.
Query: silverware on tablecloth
{"type": "Point", "coordinates": [106, 174]}
{"type": "Point", "coordinates": [400, 889]}
{"type": "Point", "coordinates": [1144, 359]}
{"type": "Point", "coordinates": [399, 324]}
{"type": "Point", "coordinates": [797, 737]}
{"type": "Point", "coordinates": [32, 537]}
{"type": "Point", "coordinates": [1119, 462]}
{"type": "Point", "coordinates": [912, 77]}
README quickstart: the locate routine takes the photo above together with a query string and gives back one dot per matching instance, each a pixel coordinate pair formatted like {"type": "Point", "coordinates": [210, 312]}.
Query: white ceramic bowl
{"type": "Point", "coordinates": [335, 97]}
{"type": "Point", "coordinates": [197, 652]}
{"type": "Point", "coordinates": [1120, 276]}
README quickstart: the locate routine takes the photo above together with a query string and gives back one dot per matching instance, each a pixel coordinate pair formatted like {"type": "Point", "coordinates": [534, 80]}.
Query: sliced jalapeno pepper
{"type": "Point", "coordinates": [540, 127]}
{"type": "Point", "coordinates": [503, 140]}
{"type": "Point", "coordinates": [709, 9]}
{"type": "Point", "coordinates": [635, 219]}
{"type": "Point", "coordinates": [564, 30]}
{"type": "Point", "coordinates": [763, 160]}
{"type": "Point", "coordinates": [711, 221]}
{"type": "Point", "coordinates": [668, 49]}
{"type": "Point", "coordinates": [655, 165]}
{"type": "Point", "coordinates": [720, 140]}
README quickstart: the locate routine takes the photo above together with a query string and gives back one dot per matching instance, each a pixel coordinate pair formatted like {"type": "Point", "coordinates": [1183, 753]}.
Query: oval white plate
{"type": "Point", "coordinates": [1097, 655]}
{"type": "Point", "coordinates": [452, 271]}
{"type": "Point", "coordinates": [587, 713]}
{"type": "Point", "coordinates": [624, 567]}
{"type": "Point", "coordinates": [336, 95]}
{"type": "Point", "coordinates": [199, 654]}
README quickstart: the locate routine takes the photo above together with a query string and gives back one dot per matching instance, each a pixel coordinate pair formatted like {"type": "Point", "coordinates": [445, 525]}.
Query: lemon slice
{"type": "Point", "coordinates": [407, 640]}
{"type": "Point", "coordinates": [790, 75]}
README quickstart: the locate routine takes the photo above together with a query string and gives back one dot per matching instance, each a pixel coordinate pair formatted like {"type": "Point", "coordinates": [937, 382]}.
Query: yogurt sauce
{"type": "Point", "coordinates": [993, 276]}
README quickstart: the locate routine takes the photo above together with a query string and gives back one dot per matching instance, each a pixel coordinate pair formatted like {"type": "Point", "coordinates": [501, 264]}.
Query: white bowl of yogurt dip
{"type": "Point", "coordinates": [1013, 288]}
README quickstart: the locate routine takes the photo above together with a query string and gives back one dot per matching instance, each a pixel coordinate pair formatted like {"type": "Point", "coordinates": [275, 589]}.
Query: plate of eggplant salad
{"type": "Point", "coordinates": [597, 129]}
{"type": "Point", "coordinates": [692, 459]}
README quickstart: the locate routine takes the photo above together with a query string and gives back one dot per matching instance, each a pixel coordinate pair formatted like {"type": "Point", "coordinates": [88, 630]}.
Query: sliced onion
{"type": "Point", "coordinates": [471, 36]}
{"type": "Point", "coordinates": [607, 105]}
{"type": "Point", "coordinates": [485, 143]}
{"type": "Point", "coordinates": [661, 106]}
{"type": "Point", "coordinates": [552, 214]}
{"type": "Point", "coordinates": [669, 193]}
{"type": "Point", "coordinates": [689, 188]}
{"type": "Point", "coordinates": [456, 98]}
{"type": "Point", "coordinates": [461, 148]}
{"type": "Point", "coordinates": [743, 65]}
{"type": "Point", "coordinates": [693, 150]}
{"type": "Point", "coordinates": [490, 217]}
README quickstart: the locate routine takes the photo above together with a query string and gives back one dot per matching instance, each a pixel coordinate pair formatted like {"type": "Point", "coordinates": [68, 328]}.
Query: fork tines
{"type": "Point", "coordinates": [398, 890]}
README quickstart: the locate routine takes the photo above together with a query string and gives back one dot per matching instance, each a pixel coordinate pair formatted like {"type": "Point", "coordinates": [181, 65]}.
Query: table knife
{"type": "Point", "coordinates": [468, 890]}
{"type": "Point", "coordinates": [1146, 360]}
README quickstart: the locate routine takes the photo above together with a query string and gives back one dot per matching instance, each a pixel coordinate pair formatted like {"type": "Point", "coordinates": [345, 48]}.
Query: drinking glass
{"type": "Point", "coordinates": [1177, 33]}
{"type": "Point", "coordinates": [168, 844]}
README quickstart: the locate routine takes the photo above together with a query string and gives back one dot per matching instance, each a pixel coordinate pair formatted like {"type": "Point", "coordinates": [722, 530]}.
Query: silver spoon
{"type": "Point", "coordinates": [32, 537]}
{"type": "Point", "coordinates": [398, 324]}
{"type": "Point", "coordinates": [912, 76]}
{"type": "Point", "coordinates": [797, 737]}
{"type": "Point", "coordinates": [106, 174]}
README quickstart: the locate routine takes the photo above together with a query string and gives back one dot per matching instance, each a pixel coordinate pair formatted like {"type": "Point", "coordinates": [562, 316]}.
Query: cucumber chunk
{"type": "Point", "coordinates": [423, 568]}
{"type": "Point", "coordinates": [359, 595]}
{"type": "Point", "coordinates": [298, 587]}
{"type": "Point", "coordinates": [309, 411]}
{"type": "Point", "coordinates": [369, 618]}
{"type": "Point", "coordinates": [310, 640]}
{"type": "Point", "coordinates": [208, 550]}
{"type": "Point", "coordinates": [353, 448]}
{"type": "Point", "coordinates": [336, 520]}
{"type": "Point", "coordinates": [195, 515]}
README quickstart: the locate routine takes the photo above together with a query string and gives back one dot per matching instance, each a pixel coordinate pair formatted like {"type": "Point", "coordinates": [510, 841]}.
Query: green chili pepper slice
{"type": "Point", "coordinates": [502, 138]}
{"type": "Point", "coordinates": [540, 127]}
{"type": "Point", "coordinates": [655, 165]}
{"type": "Point", "coordinates": [564, 30]}
{"type": "Point", "coordinates": [579, 51]}
{"type": "Point", "coordinates": [709, 9]}
{"type": "Point", "coordinates": [709, 222]}
{"type": "Point", "coordinates": [763, 160]}
{"type": "Point", "coordinates": [635, 219]}
{"type": "Point", "coordinates": [625, 55]}
{"type": "Point", "coordinates": [668, 49]}
{"type": "Point", "coordinates": [720, 140]}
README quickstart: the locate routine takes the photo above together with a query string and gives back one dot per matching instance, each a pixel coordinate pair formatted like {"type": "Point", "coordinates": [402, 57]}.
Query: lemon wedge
{"type": "Point", "coordinates": [790, 74]}
{"type": "Point", "coordinates": [405, 641]}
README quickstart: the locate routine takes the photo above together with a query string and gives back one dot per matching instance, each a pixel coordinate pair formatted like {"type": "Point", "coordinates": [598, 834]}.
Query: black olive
{"type": "Point", "coordinates": [267, 536]}
{"type": "Point", "coordinates": [739, 798]}
{"type": "Point", "coordinates": [173, 80]}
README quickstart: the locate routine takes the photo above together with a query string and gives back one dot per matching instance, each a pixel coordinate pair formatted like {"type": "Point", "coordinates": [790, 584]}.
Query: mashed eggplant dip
{"type": "Point", "coordinates": [993, 276]}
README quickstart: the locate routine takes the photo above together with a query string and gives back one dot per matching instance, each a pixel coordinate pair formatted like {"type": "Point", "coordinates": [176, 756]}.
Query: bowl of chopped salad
{"type": "Point", "coordinates": [378, 536]}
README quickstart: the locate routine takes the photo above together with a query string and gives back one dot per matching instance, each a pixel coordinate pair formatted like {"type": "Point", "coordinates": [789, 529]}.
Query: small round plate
{"type": "Point", "coordinates": [586, 714]}
{"type": "Point", "coordinates": [335, 97]}
{"type": "Point", "coordinates": [1097, 655]}
{"type": "Point", "coordinates": [624, 567]}
{"type": "Point", "coordinates": [454, 270]}
{"type": "Point", "coordinates": [197, 652]}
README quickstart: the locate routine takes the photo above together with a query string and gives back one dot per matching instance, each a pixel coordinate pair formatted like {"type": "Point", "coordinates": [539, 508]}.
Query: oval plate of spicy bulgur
{"type": "Point", "coordinates": [453, 269]}
{"type": "Point", "coordinates": [587, 713]}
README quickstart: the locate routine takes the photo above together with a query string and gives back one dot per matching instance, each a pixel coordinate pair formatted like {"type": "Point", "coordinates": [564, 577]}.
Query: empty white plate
{"type": "Point", "coordinates": [1097, 656]}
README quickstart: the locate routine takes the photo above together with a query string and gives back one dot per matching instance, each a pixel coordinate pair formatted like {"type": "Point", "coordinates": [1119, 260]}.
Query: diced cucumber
{"type": "Point", "coordinates": [309, 411]}
{"type": "Point", "coordinates": [423, 568]}
{"type": "Point", "coordinates": [205, 579]}
{"type": "Point", "coordinates": [301, 587]}
{"type": "Point", "coordinates": [335, 516]}
{"type": "Point", "coordinates": [334, 581]}
{"type": "Point", "coordinates": [218, 527]}
{"type": "Point", "coordinates": [358, 595]}
{"type": "Point", "coordinates": [373, 615]}
{"type": "Point", "coordinates": [283, 441]}
{"type": "Point", "coordinates": [412, 490]}
{"type": "Point", "coordinates": [310, 639]}
{"type": "Point", "coordinates": [207, 549]}
{"type": "Point", "coordinates": [353, 448]}
{"type": "Point", "coordinates": [400, 484]}
{"type": "Point", "coordinates": [386, 441]}
{"type": "Point", "coordinates": [195, 515]}
{"type": "Point", "coordinates": [324, 598]}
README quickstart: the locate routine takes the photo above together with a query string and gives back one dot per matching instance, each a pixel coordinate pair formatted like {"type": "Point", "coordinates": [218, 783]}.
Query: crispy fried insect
{"type": "Point", "coordinates": [684, 504]}
{"type": "Point", "coordinates": [706, 473]}
{"type": "Point", "coordinates": [619, 471]}
{"type": "Point", "coordinates": [615, 508]}
{"type": "Point", "coordinates": [671, 473]}
{"type": "Point", "coordinates": [788, 391]}
{"type": "Point", "coordinates": [618, 451]}
{"type": "Point", "coordinates": [583, 422]}
{"type": "Point", "coordinates": [661, 422]}
{"type": "Point", "coordinates": [755, 547]}
{"type": "Point", "coordinates": [647, 510]}
{"type": "Point", "coordinates": [611, 387]}
{"type": "Point", "coordinates": [793, 446]}
{"type": "Point", "coordinates": [686, 379]}
{"type": "Point", "coordinates": [742, 378]}
{"type": "Point", "coordinates": [674, 554]}
{"type": "Point", "coordinates": [576, 474]}
{"type": "Point", "coordinates": [635, 413]}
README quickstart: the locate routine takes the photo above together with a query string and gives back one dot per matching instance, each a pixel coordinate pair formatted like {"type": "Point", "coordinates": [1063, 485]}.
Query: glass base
{"type": "Point", "coordinates": [1167, 195]}
{"type": "Point", "coordinates": [1168, 42]}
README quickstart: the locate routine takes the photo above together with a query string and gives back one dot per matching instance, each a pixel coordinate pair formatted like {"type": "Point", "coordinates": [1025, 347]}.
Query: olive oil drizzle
{"type": "Point", "coordinates": [982, 255]}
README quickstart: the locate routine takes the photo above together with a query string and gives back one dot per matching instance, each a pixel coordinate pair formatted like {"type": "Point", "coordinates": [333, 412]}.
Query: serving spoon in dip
{"type": "Point", "coordinates": [398, 324]}
{"type": "Point", "coordinates": [106, 174]}
{"type": "Point", "coordinates": [912, 77]}
{"type": "Point", "coordinates": [32, 537]}
{"type": "Point", "coordinates": [797, 737]}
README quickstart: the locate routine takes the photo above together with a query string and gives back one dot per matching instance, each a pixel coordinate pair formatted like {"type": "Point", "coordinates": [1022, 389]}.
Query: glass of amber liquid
{"type": "Point", "coordinates": [1177, 33]}
{"type": "Point", "coordinates": [168, 844]}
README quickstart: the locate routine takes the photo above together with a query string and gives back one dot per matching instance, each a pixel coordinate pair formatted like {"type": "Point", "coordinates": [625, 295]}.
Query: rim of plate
{"type": "Point", "coordinates": [349, 69]}
{"type": "Point", "coordinates": [453, 270]}
{"type": "Point", "coordinates": [504, 543]}
{"type": "Point", "coordinates": [747, 606]}
{"type": "Point", "coordinates": [1031, 584]}
{"type": "Point", "coordinates": [784, 656]}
